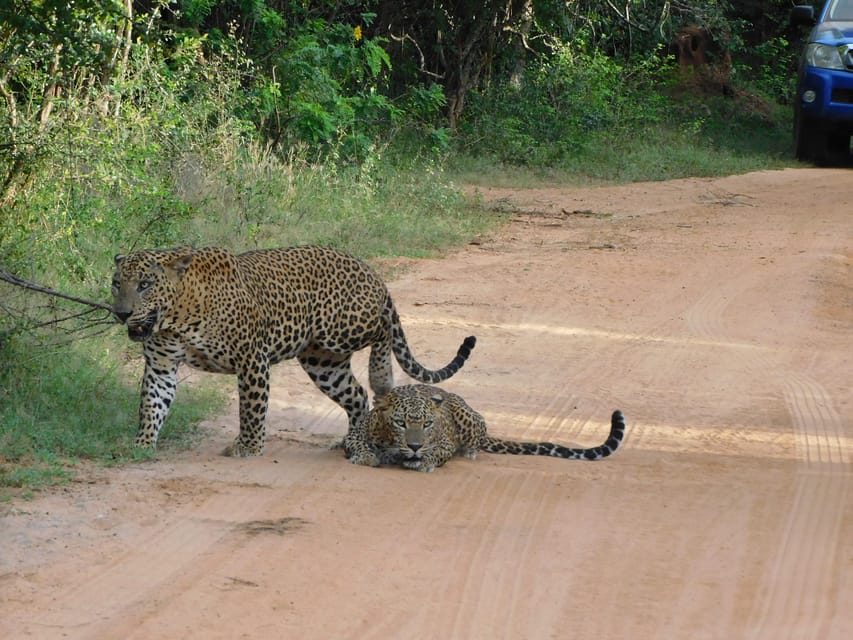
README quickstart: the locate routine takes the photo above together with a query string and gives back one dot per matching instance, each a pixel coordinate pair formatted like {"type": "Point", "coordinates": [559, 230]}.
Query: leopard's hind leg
{"type": "Point", "coordinates": [332, 373]}
{"type": "Point", "coordinates": [380, 372]}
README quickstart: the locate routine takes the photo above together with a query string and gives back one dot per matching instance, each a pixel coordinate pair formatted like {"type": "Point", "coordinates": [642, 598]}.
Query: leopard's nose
{"type": "Point", "coordinates": [122, 316]}
{"type": "Point", "coordinates": [414, 446]}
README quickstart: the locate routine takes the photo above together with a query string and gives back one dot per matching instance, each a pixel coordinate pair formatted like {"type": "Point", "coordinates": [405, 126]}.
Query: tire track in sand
{"type": "Point", "coordinates": [500, 553]}
{"type": "Point", "coordinates": [815, 417]}
{"type": "Point", "coordinates": [480, 564]}
{"type": "Point", "coordinates": [795, 599]}
{"type": "Point", "coordinates": [795, 602]}
{"type": "Point", "coordinates": [422, 516]}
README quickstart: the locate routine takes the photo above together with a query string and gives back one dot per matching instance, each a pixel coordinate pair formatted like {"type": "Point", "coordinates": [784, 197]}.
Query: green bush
{"type": "Point", "coordinates": [591, 116]}
{"type": "Point", "coordinates": [562, 105]}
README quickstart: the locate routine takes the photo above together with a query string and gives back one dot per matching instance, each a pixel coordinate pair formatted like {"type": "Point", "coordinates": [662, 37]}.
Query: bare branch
{"type": "Point", "coordinates": [20, 282]}
{"type": "Point", "coordinates": [422, 66]}
{"type": "Point", "coordinates": [90, 322]}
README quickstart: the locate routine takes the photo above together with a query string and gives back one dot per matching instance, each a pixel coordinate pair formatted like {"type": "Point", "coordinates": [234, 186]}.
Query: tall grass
{"type": "Point", "coordinates": [264, 199]}
{"type": "Point", "coordinates": [588, 118]}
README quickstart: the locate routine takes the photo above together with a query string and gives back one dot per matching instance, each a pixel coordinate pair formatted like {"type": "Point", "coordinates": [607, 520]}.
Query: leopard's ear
{"type": "Point", "coordinates": [178, 262]}
{"type": "Point", "coordinates": [437, 399]}
{"type": "Point", "coordinates": [382, 404]}
{"type": "Point", "coordinates": [182, 264]}
{"type": "Point", "coordinates": [119, 258]}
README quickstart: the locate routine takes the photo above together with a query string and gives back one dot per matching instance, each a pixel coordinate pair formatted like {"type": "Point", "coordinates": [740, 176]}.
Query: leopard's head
{"type": "Point", "coordinates": [144, 288]}
{"type": "Point", "coordinates": [412, 420]}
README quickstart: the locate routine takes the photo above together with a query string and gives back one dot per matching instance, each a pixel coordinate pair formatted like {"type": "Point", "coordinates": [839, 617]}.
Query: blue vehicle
{"type": "Point", "coordinates": [823, 107]}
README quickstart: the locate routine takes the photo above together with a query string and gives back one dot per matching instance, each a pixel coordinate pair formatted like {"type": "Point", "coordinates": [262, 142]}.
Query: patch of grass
{"type": "Point", "coordinates": [665, 154]}
{"type": "Point", "coordinates": [668, 153]}
{"type": "Point", "coordinates": [489, 171]}
{"type": "Point", "coordinates": [32, 473]}
{"type": "Point", "coordinates": [701, 148]}
{"type": "Point", "coordinates": [61, 405]}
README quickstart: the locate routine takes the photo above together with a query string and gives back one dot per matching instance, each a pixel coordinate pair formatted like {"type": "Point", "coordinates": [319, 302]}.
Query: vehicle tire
{"type": "Point", "coordinates": [837, 147]}
{"type": "Point", "coordinates": [813, 143]}
{"type": "Point", "coordinates": [808, 139]}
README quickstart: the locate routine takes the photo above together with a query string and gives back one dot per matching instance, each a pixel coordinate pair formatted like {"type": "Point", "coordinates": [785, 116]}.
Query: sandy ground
{"type": "Point", "coordinates": [717, 314]}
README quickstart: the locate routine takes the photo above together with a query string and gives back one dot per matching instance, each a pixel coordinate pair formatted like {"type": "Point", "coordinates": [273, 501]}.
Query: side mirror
{"type": "Point", "coordinates": [803, 15]}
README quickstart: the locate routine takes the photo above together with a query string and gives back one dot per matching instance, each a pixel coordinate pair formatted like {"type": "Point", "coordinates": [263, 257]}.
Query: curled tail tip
{"type": "Point", "coordinates": [617, 423]}
{"type": "Point", "coordinates": [466, 346]}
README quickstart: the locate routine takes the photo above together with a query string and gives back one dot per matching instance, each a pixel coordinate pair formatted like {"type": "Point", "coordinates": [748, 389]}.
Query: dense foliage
{"type": "Point", "coordinates": [125, 105]}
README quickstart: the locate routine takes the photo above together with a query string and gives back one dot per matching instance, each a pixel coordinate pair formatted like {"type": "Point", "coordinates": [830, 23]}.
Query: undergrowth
{"type": "Point", "coordinates": [591, 119]}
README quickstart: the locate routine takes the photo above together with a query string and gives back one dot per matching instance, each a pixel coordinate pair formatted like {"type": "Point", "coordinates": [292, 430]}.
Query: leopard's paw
{"type": "Point", "coordinates": [419, 465]}
{"type": "Point", "coordinates": [367, 459]}
{"type": "Point", "coordinates": [240, 450]}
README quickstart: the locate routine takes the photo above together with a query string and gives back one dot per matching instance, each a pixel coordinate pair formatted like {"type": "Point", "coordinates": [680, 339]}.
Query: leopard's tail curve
{"type": "Point", "coordinates": [617, 433]}
{"type": "Point", "coordinates": [415, 369]}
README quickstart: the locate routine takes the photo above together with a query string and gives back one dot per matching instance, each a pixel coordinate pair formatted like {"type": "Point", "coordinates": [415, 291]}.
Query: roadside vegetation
{"type": "Point", "coordinates": [134, 124]}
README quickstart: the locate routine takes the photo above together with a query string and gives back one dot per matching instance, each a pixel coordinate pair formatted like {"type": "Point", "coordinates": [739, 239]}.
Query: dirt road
{"type": "Point", "coordinates": [717, 314]}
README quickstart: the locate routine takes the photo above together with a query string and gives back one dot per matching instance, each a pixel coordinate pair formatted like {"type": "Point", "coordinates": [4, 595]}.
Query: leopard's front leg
{"type": "Point", "coordinates": [253, 380]}
{"type": "Point", "coordinates": [356, 447]}
{"type": "Point", "coordinates": [159, 384]}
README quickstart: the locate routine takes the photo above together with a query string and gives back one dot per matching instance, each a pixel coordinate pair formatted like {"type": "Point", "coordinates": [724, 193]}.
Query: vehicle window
{"type": "Point", "coordinates": [841, 10]}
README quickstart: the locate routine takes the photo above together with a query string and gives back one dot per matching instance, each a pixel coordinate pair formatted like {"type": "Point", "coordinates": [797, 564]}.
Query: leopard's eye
{"type": "Point", "coordinates": [116, 284]}
{"type": "Point", "coordinates": [428, 424]}
{"type": "Point", "coordinates": [143, 285]}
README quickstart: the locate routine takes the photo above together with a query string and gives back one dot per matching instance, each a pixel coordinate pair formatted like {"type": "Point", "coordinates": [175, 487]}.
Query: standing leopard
{"type": "Point", "coordinates": [422, 427]}
{"type": "Point", "coordinates": [239, 314]}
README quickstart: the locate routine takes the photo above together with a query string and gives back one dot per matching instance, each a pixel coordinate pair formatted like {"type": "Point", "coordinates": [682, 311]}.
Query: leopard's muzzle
{"type": "Point", "coordinates": [139, 331]}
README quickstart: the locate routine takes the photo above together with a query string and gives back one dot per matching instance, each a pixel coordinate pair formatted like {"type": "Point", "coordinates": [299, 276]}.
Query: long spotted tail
{"type": "Point", "coordinates": [617, 433]}
{"type": "Point", "coordinates": [414, 368]}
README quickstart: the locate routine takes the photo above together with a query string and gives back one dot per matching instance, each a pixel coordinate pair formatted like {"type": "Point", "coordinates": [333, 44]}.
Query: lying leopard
{"type": "Point", "coordinates": [422, 427]}
{"type": "Point", "coordinates": [240, 314]}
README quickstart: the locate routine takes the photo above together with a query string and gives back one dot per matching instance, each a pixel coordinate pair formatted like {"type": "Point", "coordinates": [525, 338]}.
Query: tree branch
{"type": "Point", "coordinates": [20, 282]}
